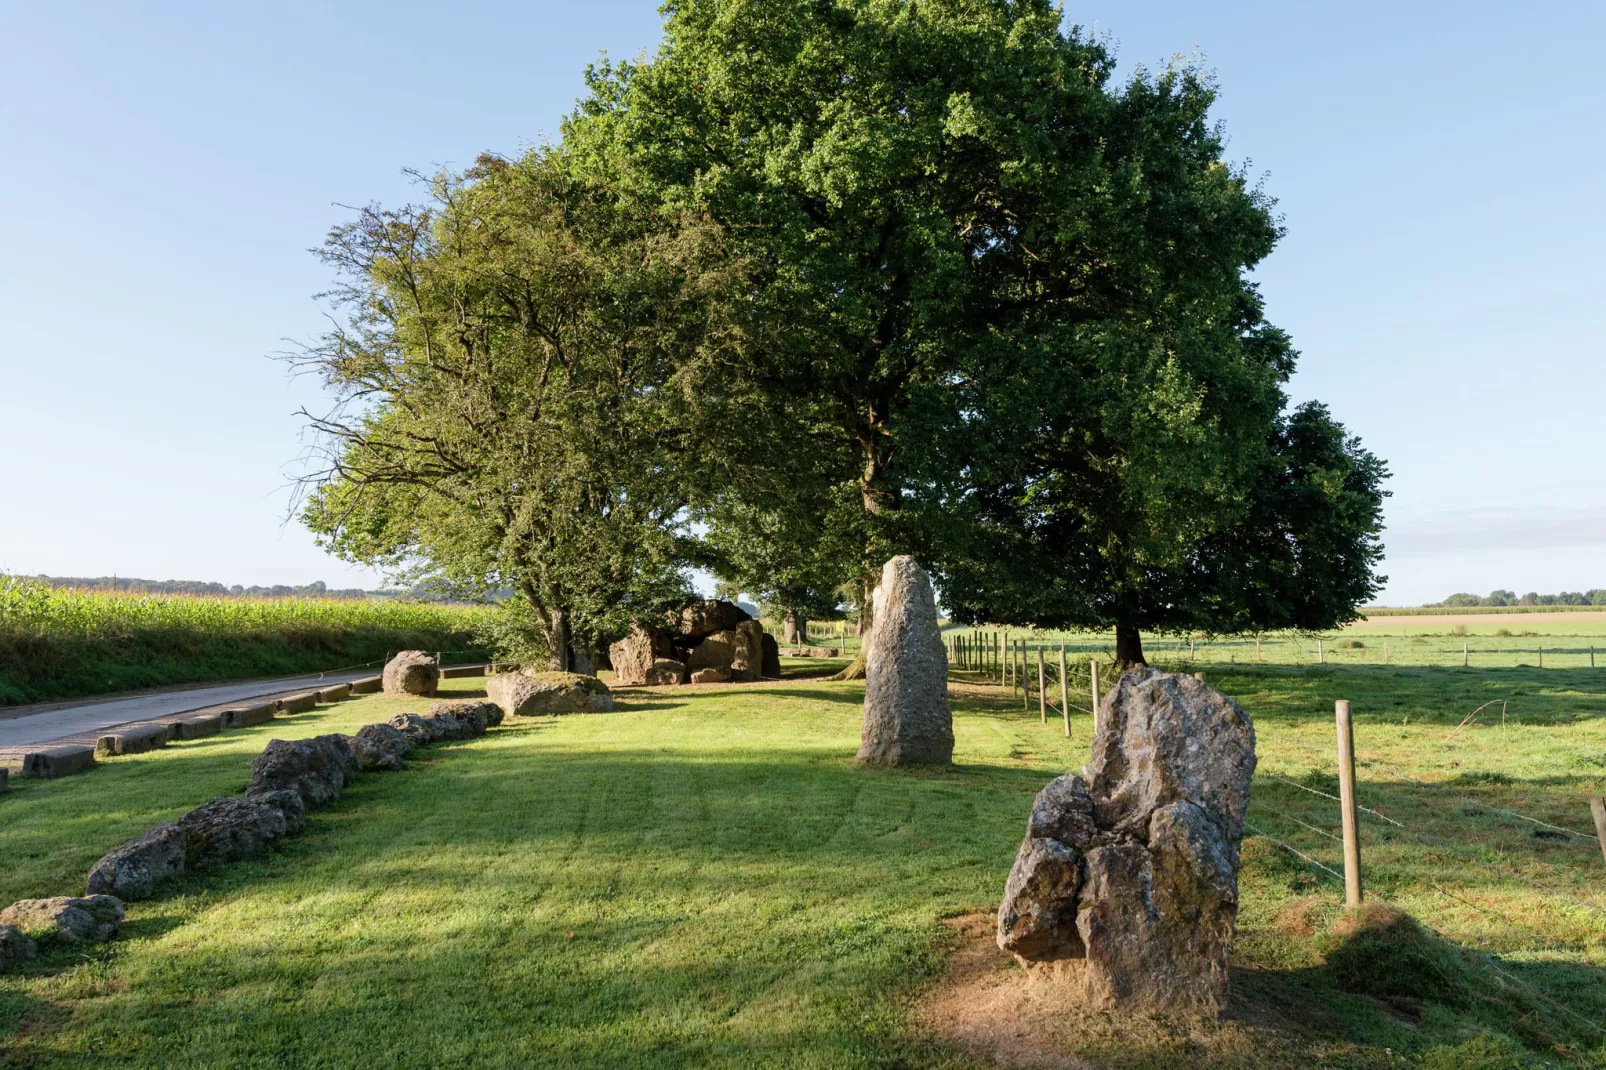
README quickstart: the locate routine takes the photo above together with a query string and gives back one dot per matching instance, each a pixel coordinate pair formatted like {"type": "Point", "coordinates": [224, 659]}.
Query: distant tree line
{"type": "Point", "coordinates": [1593, 597]}
{"type": "Point", "coordinates": [316, 589]}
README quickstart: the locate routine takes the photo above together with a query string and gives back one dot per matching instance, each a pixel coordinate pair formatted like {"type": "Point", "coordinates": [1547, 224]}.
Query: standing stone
{"type": "Point", "coordinates": [633, 656]}
{"type": "Point", "coordinates": [771, 667]}
{"type": "Point", "coordinates": [747, 658]}
{"type": "Point", "coordinates": [1136, 868]}
{"type": "Point", "coordinates": [412, 672]}
{"type": "Point", "coordinates": [907, 720]}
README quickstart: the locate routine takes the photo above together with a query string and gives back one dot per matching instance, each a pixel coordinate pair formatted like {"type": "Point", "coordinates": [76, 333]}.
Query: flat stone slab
{"type": "Point", "coordinates": [368, 685]}
{"type": "Point", "coordinates": [136, 739]}
{"type": "Point", "coordinates": [298, 703]}
{"type": "Point", "coordinates": [245, 716]}
{"type": "Point", "coordinates": [197, 725]}
{"type": "Point", "coordinates": [458, 671]}
{"type": "Point", "coordinates": [334, 694]}
{"type": "Point", "coordinates": [51, 762]}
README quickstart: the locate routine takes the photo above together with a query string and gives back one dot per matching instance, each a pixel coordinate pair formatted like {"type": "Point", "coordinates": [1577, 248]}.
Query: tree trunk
{"type": "Point", "coordinates": [855, 669]}
{"type": "Point", "coordinates": [559, 661]}
{"type": "Point", "coordinates": [794, 629]}
{"type": "Point", "coordinates": [1128, 646]}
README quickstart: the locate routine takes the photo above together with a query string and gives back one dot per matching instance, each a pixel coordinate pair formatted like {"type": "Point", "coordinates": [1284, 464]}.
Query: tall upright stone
{"type": "Point", "coordinates": [1134, 864]}
{"type": "Point", "coordinates": [907, 720]}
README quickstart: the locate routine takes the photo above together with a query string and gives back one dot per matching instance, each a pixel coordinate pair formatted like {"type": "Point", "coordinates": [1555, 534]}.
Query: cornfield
{"type": "Point", "coordinates": [60, 643]}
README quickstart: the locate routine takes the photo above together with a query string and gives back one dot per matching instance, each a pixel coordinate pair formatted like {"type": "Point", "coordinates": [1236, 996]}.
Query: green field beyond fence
{"type": "Point", "coordinates": [57, 643]}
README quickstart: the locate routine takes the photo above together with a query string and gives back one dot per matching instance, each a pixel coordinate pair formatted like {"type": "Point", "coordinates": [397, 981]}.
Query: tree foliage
{"type": "Point", "coordinates": [515, 367]}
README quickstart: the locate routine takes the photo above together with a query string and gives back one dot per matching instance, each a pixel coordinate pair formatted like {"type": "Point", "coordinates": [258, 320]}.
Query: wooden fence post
{"type": "Point", "coordinates": [1257, 648]}
{"type": "Point", "coordinates": [1025, 679]}
{"type": "Point", "coordinates": [1321, 653]}
{"type": "Point", "coordinates": [1346, 805]}
{"type": "Point", "coordinates": [1065, 694]}
{"type": "Point", "coordinates": [1463, 655]}
{"type": "Point", "coordinates": [1597, 807]}
{"type": "Point", "coordinates": [1042, 690]}
{"type": "Point", "coordinates": [1093, 684]}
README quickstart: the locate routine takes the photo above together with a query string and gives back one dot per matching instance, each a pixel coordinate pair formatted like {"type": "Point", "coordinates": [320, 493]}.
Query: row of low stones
{"type": "Point", "coordinates": [289, 778]}
{"type": "Point", "coordinates": [404, 674]}
{"type": "Point", "coordinates": [705, 643]}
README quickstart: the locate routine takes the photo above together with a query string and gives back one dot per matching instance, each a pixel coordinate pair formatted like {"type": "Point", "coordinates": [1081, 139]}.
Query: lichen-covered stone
{"type": "Point", "coordinates": [133, 870]}
{"type": "Point", "coordinates": [317, 769]}
{"type": "Point", "coordinates": [412, 672]}
{"type": "Point", "coordinates": [380, 746]}
{"type": "Point", "coordinates": [477, 716]}
{"type": "Point", "coordinates": [1136, 867]}
{"type": "Point", "coordinates": [230, 828]}
{"type": "Point", "coordinates": [717, 651]}
{"type": "Point", "coordinates": [92, 919]}
{"type": "Point", "coordinates": [747, 658]}
{"type": "Point", "coordinates": [633, 656]}
{"type": "Point", "coordinates": [907, 720]}
{"type": "Point", "coordinates": [666, 672]}
{"type": "Point", "coordinates": [701, 619]}
{"type": "Point", "coordinates": [527, 694]}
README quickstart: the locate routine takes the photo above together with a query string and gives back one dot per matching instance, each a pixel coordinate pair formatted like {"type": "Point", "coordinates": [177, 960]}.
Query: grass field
{"type": "Point", "coordinates": [704, 878]}
{"type": "Point", "coordinates": [60, 643]}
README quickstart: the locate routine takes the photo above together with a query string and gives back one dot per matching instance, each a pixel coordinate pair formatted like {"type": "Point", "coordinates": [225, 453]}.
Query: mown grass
{"type": "Point", "coordinates": [704, 878]}
{"type": "Point", "coordinates": [58, 643]}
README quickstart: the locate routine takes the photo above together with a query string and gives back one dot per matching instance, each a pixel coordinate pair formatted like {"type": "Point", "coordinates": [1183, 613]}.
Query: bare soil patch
{"type": "Point", "coordinates": [991, 1008]}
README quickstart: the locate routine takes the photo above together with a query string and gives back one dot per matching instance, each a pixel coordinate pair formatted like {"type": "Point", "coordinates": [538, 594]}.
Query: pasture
{"type": "Point", "coordinates": [704, 878]}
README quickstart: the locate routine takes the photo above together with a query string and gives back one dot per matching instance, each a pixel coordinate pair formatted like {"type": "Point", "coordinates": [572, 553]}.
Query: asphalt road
{"type": "Point", "coordinates": [91, 715]}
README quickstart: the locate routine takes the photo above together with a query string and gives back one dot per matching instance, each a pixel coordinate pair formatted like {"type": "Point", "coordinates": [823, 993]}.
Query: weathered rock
{"type": "Point", "coordinates": [134, 739]}
{"type": "Point", "coordinates": [420, 731]}
{"type": "Point", "coordinates": [335, 693]}
{"type": "Point", "coordinates": [666, 672]}
{"type": "Point", "coordinates": [747, 659]}
{"type": "Point", "coordinates": [412, 672]}
{"type": "Point", "coordinates": [534, 694]}
{"type": "Point", "coordinates": [718, 651]}
{"type": "Point", "coordinates": [368, 685]}
{"type": "Point", "coordinates": [1137, 867]}
{"type": "Point", "coordinates": [133, 870]}
{"type": "Point", "coordinates": [770, 667]}
{"type": "Point", "coordinates": [197, 725]}
{"type": "Point", "coordinates": [477, 716]}
{"type": "Point", "coordinates": [814, 652]}
{"type": "Point", "coordinates": [380, 746]}
{"type": "Point", "coordinates": [301, 702]}
{"type": "Point", "coordinates": [317, 769]}
{"type": "Point", "coordinates": [229, 828]}
{"type": "Point", "coordinates": [92, 919]}
{"type": "Point", "coordinates": [52, 762]}
{"type": "Point", "coordinates": [710, 676]}
{"type": "Point", "coordinates": [16, 947]}
{"type": "Point", "coordinates": [633, 656]}
{"type": "Point", "coordinates": [907, 720]}
{"type": "Point", "coordinates": [701, 619]}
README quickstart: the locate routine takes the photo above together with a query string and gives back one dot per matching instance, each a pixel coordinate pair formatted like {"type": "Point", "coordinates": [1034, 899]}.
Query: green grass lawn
{"type": "Point", "coordinates": [704, 878]}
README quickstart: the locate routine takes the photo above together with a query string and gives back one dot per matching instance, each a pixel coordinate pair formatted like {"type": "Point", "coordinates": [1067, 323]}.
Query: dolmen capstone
{"type": "Point", "coordinates": [1133, 866]}
{"type": "Point", "coordinates": [711, 634]}
{"type": "Point", "coordinates": [412, 672]}
{"type": "Point", "coordinates": [907, 720]}
{"type": "Point", "coordinates": [532, 694]}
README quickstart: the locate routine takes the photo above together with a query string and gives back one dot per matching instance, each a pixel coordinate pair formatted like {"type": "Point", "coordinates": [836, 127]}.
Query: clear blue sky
{"type": "Point", "coordinates": [165, 170]}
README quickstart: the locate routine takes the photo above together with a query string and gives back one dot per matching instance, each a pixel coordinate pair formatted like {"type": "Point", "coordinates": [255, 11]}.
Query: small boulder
{"type": "Point", "coordinates": [907, 720]}
{"type": "Point", "coordinates": [420, 731]}
{"type": "Point", "coordinates": [133, 870]}
{"type": "Point", "coordinates": [16, 947]}
{"type": "Point", "coordinates": [771, 667]}
{"type": "Point", "coordinates": [380, 746]}
{"type": "Point", "coordinates": [92, 919]}
{"type": "Point", "coordinates": [718, 651]}
{"type": "Point", "coordinates": [666, 672]}
{"type": "Point", "coordinates": [229, 828]}
{"type": "Point", "coordinates": [477, 715]}
{"type": "Point", "coordinates": [412, 672]}
{"type": "Point", "coordinates": [526, 694]}
{"type": "Point", "coordinates": [317, 769]}
{"type": "Point", "coordinates": [710, 676]}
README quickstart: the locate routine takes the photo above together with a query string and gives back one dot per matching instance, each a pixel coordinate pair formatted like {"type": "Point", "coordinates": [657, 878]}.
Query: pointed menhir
{"type": "Point", "coordinates": [907, 720]}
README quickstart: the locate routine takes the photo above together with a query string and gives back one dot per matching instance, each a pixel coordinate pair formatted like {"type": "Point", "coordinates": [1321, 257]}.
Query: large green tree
{"type": "Point", "coordinates": [950, 206]}
{"type": "Point", "coordinates": [514, 375]}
